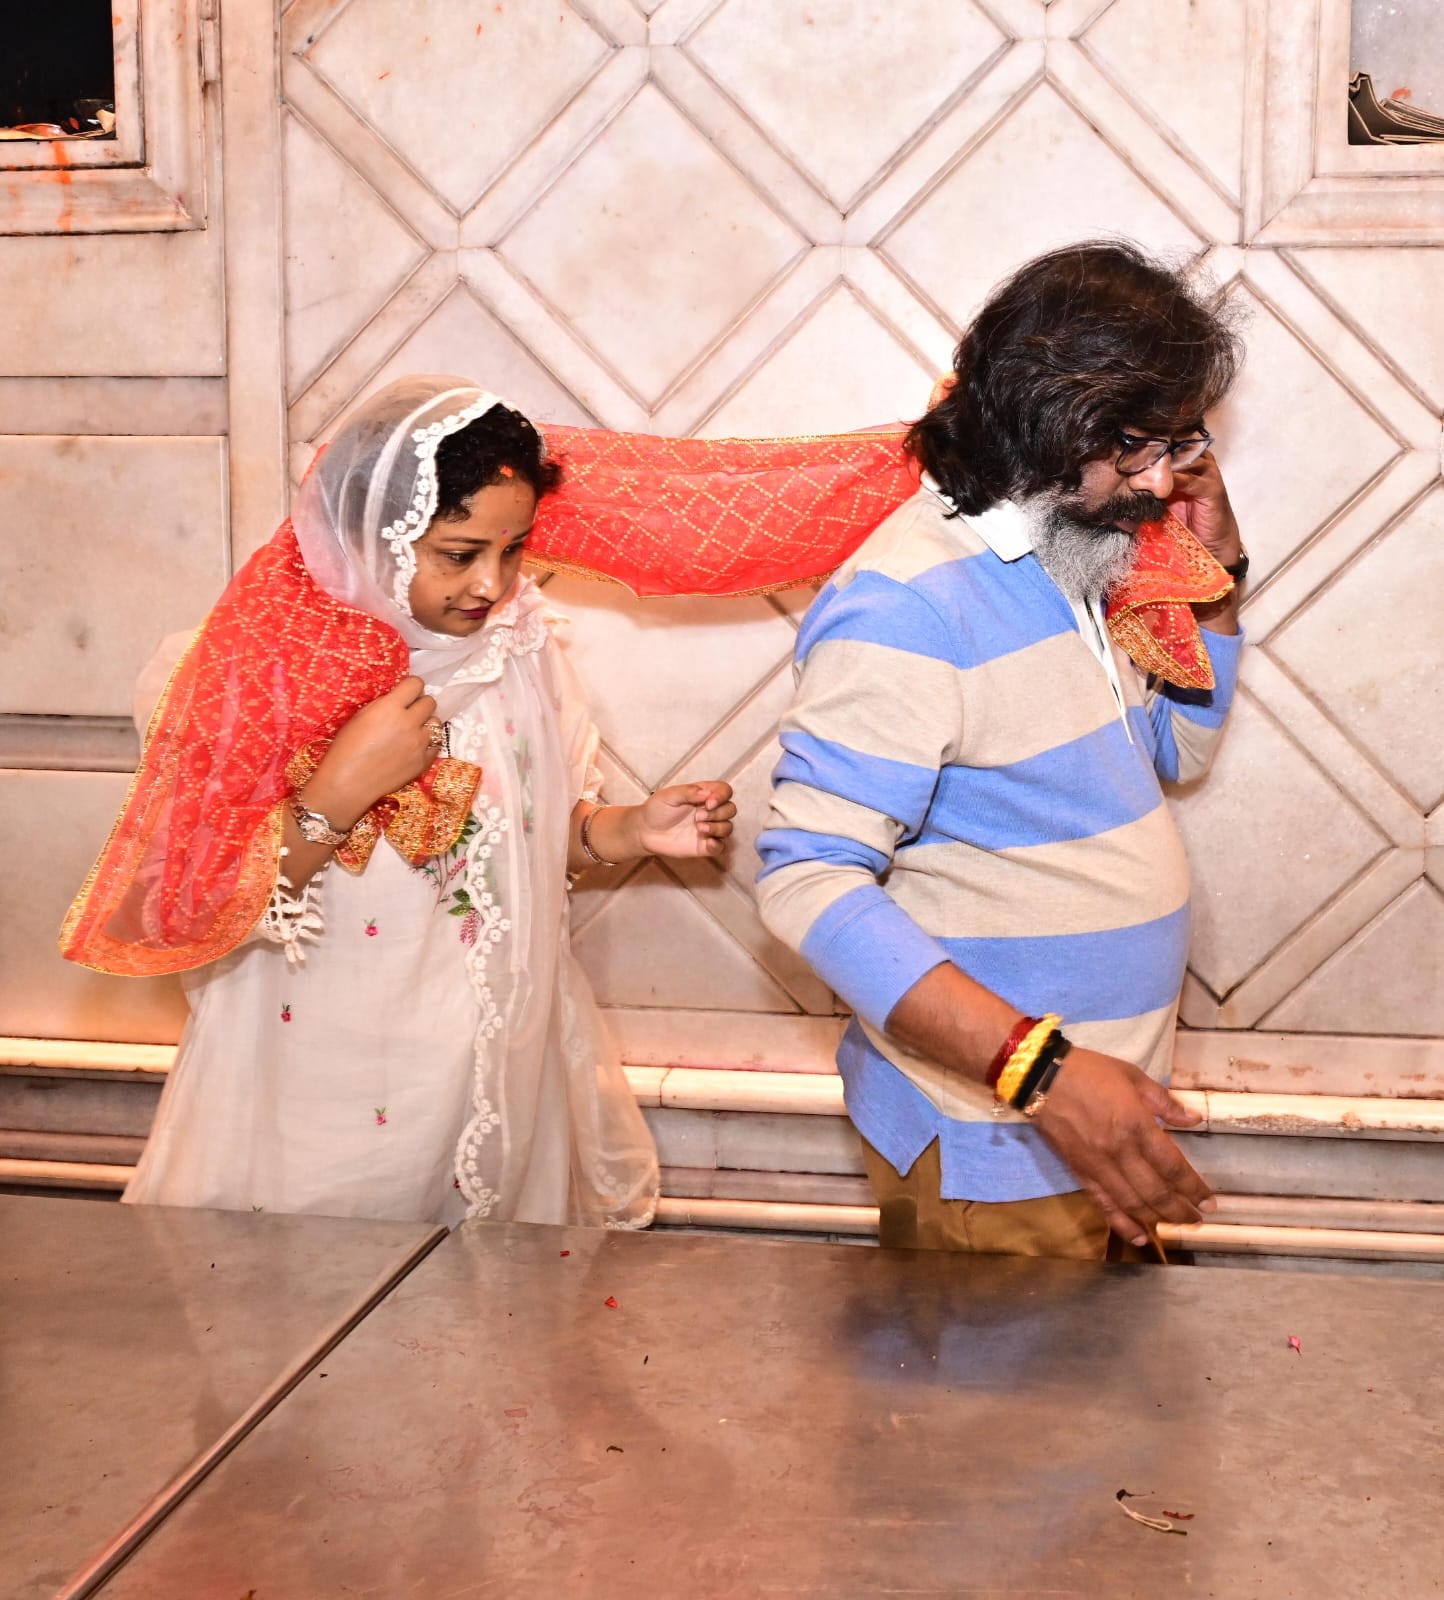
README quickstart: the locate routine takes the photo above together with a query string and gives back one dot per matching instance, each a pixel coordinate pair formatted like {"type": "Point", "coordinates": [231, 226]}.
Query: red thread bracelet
{"type": "Point", "coordinates": [1021, 1029]}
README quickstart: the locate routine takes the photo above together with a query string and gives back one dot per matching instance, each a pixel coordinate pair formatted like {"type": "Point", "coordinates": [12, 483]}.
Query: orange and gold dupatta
{"type": "Point", "coordinates": [750, 516]}
{"type": "Point", "coordinates": [274, 671]}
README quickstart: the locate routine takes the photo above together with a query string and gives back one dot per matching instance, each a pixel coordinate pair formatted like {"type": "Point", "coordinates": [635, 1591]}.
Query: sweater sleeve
{"type": "Point", "coordinates": [876, 716]}
{"type": "Point", "coordinates": [1186, 722]}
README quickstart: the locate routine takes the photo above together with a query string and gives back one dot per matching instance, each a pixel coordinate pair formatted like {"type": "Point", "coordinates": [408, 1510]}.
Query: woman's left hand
{"type": "Point", "coordinates": [687, 819]}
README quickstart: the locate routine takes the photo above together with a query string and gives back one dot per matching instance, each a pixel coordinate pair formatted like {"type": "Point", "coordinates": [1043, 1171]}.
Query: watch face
{"type": "Point", "coordinates": [313, 827]}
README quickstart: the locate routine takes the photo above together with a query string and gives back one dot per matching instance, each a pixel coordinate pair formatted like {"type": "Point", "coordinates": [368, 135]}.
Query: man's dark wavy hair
{"type": "Point", "coordinates": [1076, 345]}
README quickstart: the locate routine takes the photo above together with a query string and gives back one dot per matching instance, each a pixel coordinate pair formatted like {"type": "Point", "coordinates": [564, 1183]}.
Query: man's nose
{"type": "Point", "coordinates": [1155, 480]}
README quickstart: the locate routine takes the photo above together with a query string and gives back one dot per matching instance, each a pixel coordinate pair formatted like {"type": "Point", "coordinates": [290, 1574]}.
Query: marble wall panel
{"type": "Point", "coordinates": [1042, 178]}
{"type": "Point", "coordinates": [1392, 295]}
{"type": "Point", "coordinates": [109, 544]}
{"type": "Point", "coordinates": [109, 304]}
{"type": "Point", "coordinates": [672, 259]}
{"type": "Point", "coordinates": [1370, 647]}
{"type": "Point", "coordinates": [843, 366]}
{"type": "Point", "coordinates": [1295, 444]}
{"type": "Point", "coordinates": [1389, 978]}
{"type": "Point", "coordinates": [806, 73]}
{"type": "Point", "coordinates": [779, 232]}
{"type": "Point", "coordinates": [463, 337]}
{"type": "Point", "coordinates": [651, 245]}
{"type": "Point", "coordinates": [652, 944]}
{"type": "Point", "coordinates": [52, 825]}
{"type": "Point", "coordinates": [662, 673]}
{"type": "Point", "coordinates": [1264, 815]}
{"type": "Point", "coordinates": [457, 90]}
{"type": "Point", "coordinates": [346, 252]}
{"type": "Point", "coordinates": [1182, 61]}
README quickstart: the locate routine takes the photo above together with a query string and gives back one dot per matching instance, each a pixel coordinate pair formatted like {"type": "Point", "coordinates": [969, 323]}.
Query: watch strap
{"type": "Point", "coordinates": [316, 827]}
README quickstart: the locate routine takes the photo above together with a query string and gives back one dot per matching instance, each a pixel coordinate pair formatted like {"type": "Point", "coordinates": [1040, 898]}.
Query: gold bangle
{"type": "Point", "coordinates": [1010, 1079]}
{"type": "Point", "coordinates": [586, 840]}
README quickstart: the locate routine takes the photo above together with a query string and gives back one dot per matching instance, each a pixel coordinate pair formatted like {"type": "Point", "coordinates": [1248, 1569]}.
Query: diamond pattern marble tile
{"type": "Point", "coordinates": [752, 788]}
{"type": "Point", "coordinates": [1393, 296]}
{"type": "Point", "coordinates": [652, 945]}
{"type": "Point", "coordinates": [346, 253]}
{"type": "Point", "coordinates": [1180, 61]}
{"type": "Point", "coordinates": [1389, 978]}
{"type": "Point", "coordinates": [1294, 444]}
{"type": "Point", "coordinates": [457, 91]}
{"type": "Point", "coordinates": [843, 85]}
{"type": "Point", "coordinates": [1265, 815]}
{"type": "Point", "coordinates": [644, 250]}
{"type": "Point", "coordinates": [461, 336]}
{"type": "Point", "coordinates": [841, 369]}
{"type": "Point", "coordinates": [1371, 649]}
{"type": "Point", "coordinates": [651, 244]}
{"type": "Point", "coordinates": [664, 673]}
{"type": "Point", "coordinates": [1043, 177]}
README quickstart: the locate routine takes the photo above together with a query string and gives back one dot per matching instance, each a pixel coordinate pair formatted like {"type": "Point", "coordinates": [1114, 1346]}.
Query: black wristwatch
{"type": "Point", "coordinates": [1239, 570]}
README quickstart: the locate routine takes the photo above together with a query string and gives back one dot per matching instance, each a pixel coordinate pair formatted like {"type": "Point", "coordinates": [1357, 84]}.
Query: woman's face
{"type": "Point", "coordinates": [465, 568]}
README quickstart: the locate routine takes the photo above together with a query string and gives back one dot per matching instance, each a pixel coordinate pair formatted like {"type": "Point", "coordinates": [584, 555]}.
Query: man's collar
{"type": "Point", "coordinates": [1003, 527]}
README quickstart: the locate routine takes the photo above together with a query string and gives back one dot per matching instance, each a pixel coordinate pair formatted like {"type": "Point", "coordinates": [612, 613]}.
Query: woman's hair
{"type": "Point", "coordinates": [499, 444]}
{"type": "Point", "coordinates": [1076, 345]}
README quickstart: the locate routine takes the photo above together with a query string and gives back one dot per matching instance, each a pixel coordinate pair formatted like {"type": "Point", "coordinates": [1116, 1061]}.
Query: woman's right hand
{"type": "Point", "coordinates": [381, 749]}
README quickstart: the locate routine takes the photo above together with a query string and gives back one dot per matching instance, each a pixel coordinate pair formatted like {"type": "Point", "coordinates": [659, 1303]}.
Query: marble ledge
{"type": "Point", "coordinates": [30, 742]}
{"type": "Point", "coordinates": [146, 407]}
{"type": "Point", "coordinates": [817, 1094]}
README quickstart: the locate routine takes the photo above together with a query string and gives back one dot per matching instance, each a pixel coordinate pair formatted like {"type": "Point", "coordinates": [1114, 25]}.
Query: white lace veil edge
{"type": "Point", "coordinates": [372, 495]}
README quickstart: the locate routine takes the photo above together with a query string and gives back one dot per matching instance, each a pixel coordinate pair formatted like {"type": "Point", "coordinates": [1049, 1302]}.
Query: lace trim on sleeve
{"type": "Point", "coordinates": [292, 916]}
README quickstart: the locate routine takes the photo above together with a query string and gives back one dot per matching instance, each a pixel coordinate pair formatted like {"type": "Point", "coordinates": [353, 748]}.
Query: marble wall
{"type": "Point", "coordinates": [734, 216]}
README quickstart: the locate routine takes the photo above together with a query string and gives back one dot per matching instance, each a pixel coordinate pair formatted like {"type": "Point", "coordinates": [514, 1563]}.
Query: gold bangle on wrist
{"type": "Point", "coordinates": [1010, 1079]}
{"type": "Point", "coordinates": [586, 839]}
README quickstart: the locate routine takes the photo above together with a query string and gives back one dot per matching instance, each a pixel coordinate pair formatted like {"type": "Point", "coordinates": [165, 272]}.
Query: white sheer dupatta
{"type": "Point", "coordinates": [552, 1112]}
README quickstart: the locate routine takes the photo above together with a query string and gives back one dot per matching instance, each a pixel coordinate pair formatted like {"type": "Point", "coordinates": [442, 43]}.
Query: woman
{"type": "Point", "coordinates": [393, 1027]}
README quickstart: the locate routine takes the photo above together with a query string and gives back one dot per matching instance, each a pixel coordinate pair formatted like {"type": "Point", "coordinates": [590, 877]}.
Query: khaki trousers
{"type": "Point", "coordinates": [914, 1216]}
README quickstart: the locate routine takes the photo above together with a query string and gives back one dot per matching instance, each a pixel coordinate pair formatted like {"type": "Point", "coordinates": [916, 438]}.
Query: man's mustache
{"type": "Point", "coordinates": [1121, 508]}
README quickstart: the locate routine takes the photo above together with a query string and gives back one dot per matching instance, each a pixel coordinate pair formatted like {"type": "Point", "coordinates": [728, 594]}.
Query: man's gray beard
{"type": "Point", "coordinates": [1085, 562]}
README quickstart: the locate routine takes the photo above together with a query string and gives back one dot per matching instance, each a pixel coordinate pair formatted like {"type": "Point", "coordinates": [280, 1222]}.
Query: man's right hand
{"type": "Point", "coordinates": [1100, 1117]}
{"type": "Point", "coordinates": [380, 750]}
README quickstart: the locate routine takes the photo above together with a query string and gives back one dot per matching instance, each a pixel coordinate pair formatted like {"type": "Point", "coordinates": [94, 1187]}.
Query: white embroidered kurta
{"type": "Point", "coordinates": [437, 1053]}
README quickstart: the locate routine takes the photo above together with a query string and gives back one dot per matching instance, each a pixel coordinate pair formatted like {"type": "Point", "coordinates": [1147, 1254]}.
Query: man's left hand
{"type": "Point", "coordinates": [1200, 501]}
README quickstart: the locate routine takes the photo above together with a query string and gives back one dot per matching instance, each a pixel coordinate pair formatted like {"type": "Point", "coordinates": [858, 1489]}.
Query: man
{"type": "Point", "coordinates": [968, 837]}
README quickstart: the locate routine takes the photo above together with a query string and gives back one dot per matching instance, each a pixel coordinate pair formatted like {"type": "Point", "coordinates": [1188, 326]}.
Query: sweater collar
{"type": "Point", "coordinates": [1003, 527]}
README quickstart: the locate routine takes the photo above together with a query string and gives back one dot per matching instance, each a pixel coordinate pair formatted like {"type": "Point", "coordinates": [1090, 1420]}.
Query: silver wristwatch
{"type": "Point", "coordinates": [316, 827]}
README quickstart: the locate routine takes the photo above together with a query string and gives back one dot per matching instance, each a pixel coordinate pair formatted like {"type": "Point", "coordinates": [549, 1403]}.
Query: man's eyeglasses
{"type": "Point", "coordinates": [1138, 455]}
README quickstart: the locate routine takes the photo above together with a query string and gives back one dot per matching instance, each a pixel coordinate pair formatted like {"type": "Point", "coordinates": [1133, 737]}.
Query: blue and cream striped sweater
{"type": "Point", "coordinates": [958, 784]}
